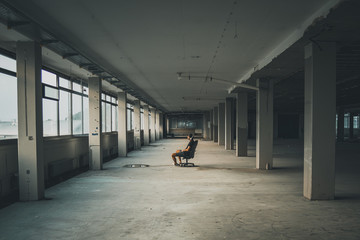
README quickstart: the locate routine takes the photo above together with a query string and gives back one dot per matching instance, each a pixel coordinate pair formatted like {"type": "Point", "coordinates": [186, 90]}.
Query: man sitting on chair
{"type": "Point", "coordinates": [185, 152]}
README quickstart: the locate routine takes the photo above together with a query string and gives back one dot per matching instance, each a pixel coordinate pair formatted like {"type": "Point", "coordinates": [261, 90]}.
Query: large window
{"type": "Point", "coordinates": [130, 116]}
{"type": "Point", "coordinates": [141, 118]}
{"type": "Point", "coordinates": [50, 103]}
{"type": "Point", "coordinates": [8, 100]}
{"type": "Point", "coordinates": [346, 120]}
{"type": "Point", "coordinates": [65, 106]}
{"type": "Point", "coordinates": [356, 122]}
{"type": "Point", "coordinates": [108, 113]}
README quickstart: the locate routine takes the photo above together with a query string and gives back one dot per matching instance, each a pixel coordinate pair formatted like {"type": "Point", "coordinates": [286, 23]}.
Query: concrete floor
{"type": "Point", "coordinates": [223, 198]}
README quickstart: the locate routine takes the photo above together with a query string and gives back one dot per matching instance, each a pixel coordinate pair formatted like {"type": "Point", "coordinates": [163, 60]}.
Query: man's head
{"type": "Point", "coordinates": [189, 136]}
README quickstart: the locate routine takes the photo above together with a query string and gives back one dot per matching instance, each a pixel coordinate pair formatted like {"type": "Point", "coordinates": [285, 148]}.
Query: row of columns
{"type": "Point", "coordinates": [319, 122]}
{"type": "Point", "coordinates": [30, 122]}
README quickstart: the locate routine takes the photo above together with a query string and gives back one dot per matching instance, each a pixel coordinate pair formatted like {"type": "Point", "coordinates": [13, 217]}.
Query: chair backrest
{"type": "Point", "coordinates": [192, 151]}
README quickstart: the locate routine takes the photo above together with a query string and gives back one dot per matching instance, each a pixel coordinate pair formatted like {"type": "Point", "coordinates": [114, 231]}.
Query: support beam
{"type": "Point", "coordinates": [122, 124]}
{"type": "Point", "coordinates": [229, 138]}
{"type": "Point", "coordinates": [152, 125]}
{"type": "Point", "coordinates": [241, 124]}
{"type": "Point", "coordinates": [137, 125]}
{"type": "Point", "coordinates": [30, 121]}
{"type": "Point", "coordinates": [146, 126]}
{"type": "Point", "coordinates": [264, 124]}
{"type": "Point", "coordinates": [95, 139]}
{"type": "Point", "coordinates": [320, 110]}
{"type": "Point", "coordinates": [221, 124]}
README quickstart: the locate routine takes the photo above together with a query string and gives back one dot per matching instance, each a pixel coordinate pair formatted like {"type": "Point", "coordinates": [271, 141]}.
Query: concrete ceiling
{"type": "Point", "coordinates": [149, 42]}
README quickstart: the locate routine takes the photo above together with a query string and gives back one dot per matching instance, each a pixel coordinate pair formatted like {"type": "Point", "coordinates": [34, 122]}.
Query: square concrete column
{"type": "Point", "coordinates": [146, 126]}
{"type": "Point", "coordinates": [264, 124]}
{"type": "Point", "coordinates": [30, 121]}
{"type": "Point", "coordinates": [153, 125]}
{"type": "Point", "coordinates": [157, 125]}
{"type": "Point", "coordinates": [211, 130]}
{"type": "Point", "coordinates": [137, 125]}
{"type": "Point", "coordinates": [340, 125]}
{"type": "Point", "coordinates": [215, 124]}
{"type": "Point", "coordinates": [241, 124]}
{"type": "Point", "coordinates": [167, 126]}
{"type": "Point", "coordinates": [229, 137]}
{"type": "Point", "coordinates": [161, 126]}
{"type": "Point", "coordinates": [95, 140]}
{"type": "Point", "coordinates": [320, 112]}
{"type": "Point", "coordinates": [206, 129]}
{"type": "Point", "coordinates": [122, 124]}
{"type": "Point", "coordinates": [221, 124]}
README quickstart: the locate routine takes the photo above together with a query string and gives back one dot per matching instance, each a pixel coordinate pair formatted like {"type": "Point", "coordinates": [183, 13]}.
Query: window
{"type": "Point", "coordinates": [86, 114]}
{"type": "Point", "coordinates": [129, 119]}
{"type": "Point", "coordinates": [108, 117]}
{"type": "Point", "coordinates": [103, 117]}
{"type": "Point", "coordinates": [346, 120]}
{"type": "Point", "coordinates": [8, 63]}
{"type": "Point", "coordinates": [65, 112]}
{"type": "Point", "coordinates": [50, 112]}
{"type": "Point", "coordinates": [356, 122]}
{"type": "Point", "coordinates": [48, 78]}
{"type": "Point", "coordinates": [77, 114]}
{"type": "Point", "coordinates": [108, 113]}
{"type": "Point", "coordinates": [141, 119]}
{"type": "Point", "coordinates": [114, 118]}
{"type": "Point", "coordinates": [8, 103]}
{"type": "Point", "coordinates": [77, 87]}
{"type": "Point", "coordinates": [64, 83]}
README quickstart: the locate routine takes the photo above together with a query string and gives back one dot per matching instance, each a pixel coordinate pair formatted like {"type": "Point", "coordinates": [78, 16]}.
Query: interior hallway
{"type": "Point", "coordinates": [223, 198]}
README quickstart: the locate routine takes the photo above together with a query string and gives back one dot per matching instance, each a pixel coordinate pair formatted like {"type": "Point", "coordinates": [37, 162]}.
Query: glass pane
{"type": "Point", "coordinates": [64, 83]}
{"type": "Point", "coordinates": [7, 63]}
{"type": "Point", "coordinates": [86, 90]}
{"type": "Point", "coordinates": [108, 117]}
{"type": "Point", "coordinates": [65, 113]}
{"type": "Point", "coordinates": [132, 119]}
{"type": "Point", "coordinates": [77, 114]}
{"type": "Point", "coordinates": [77, 87]}
{"type": "Point", "coordinates": [103, 117]}
{"type": "Point", "coordinates": [142, 120]}
{"type": "Point", "coordinates": [86, 114]}
{"type": "Point", "coordinates": [108, 98]}
{"type": "Point", "coordinates": [103, 96]}
{"type": "Point", "coordinates": [128, 116]}
{"type": "Point", "coordinates": [51, 92]}
{"type": "Point", "coordinates": [48, 78]}
{"type": "Point", "coordinates": [114, 118]}
{"type": "Point", "coordinates": [8, 107]}
{"type": "Point", "coordinates": [113, 100]}
{"type": "Point", "coordinates": [50, 117]}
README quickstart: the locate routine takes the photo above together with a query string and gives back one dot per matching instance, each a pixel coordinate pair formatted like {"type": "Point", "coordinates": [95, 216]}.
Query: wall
{"type": "Point", "coordinates": [63, 157]}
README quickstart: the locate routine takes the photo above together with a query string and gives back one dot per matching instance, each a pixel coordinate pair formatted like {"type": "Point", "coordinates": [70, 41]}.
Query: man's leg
{"type": "Point", "coordinates": [173, 157]}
